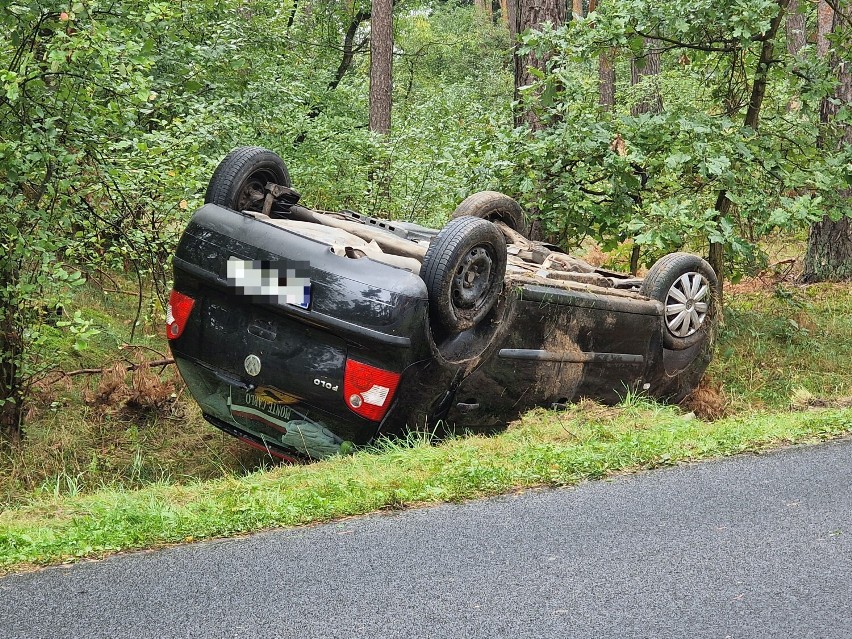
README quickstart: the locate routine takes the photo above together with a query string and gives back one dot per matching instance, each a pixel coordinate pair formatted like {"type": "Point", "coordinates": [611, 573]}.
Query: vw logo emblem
{"type": "Point", "coordinates": [252, 365]}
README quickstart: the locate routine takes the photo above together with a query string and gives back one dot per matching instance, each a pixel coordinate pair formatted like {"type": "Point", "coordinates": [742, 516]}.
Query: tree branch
{"type": "Point", "coordinates": [348, 50]}
{"type": "Point", "coordinates": [677, 44]}
{"type": "Point", "coordinates": [100, 371]}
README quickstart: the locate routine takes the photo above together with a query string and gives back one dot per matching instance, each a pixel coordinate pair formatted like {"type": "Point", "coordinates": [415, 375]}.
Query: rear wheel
{"type": "Point", "coordinates": [494, 207]}
{"type": "Point", "coordinates": [687, 287]}
{"type": "Point", "coordinates": [240, 180]}
{"type": "Point", "coordinates": [464, 269]}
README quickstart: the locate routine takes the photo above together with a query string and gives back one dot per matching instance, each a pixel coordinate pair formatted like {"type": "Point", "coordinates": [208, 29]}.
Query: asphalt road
{"type": "Point", "coordinates": [742, 547]}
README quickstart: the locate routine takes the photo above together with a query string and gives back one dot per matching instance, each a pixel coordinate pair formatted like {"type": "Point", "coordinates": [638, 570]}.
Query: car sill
{"type": "Point", "coordinates": [589, 299]}
{"type": "Point", "coordinates": [583, 357]}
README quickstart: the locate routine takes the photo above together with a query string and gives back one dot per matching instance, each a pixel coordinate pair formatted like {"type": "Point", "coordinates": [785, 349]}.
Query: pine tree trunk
{"type": "Point", "coordinates": [796, 29]}
{"type": "Point", "coordinates": [381, 65]}
{"type": "Point", "coordinates": [577, 8]}
{"type": "Point", "coordinates": [531, 15]}
{"type": "Point", "coordinates": [11, 395]}
{"type": "Point", "coordinates": [647, 66]}
{"type": "Point", "coordinates": [829, 254]}
{"type": "Point", "coordinates": [606, 78]}
{"type": "Point", "coordinates": [797, 37]}
{"type": "Point", "coordinates": [504, 12]}
{"type": "Point", "coordinates": [723, 206]}
{"type": "Point", "coordinates": [606, 72]}
{"type": "Point", "coordinates": [825, 20]}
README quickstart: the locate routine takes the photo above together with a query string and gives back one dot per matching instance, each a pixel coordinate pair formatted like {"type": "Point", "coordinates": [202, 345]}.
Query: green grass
{"type": "Point", "coordinates": [80, 439]}
{"type": "Point", "coordinates": [783, 338]}
{"type": "Point", "coordinates": [97, 473]}
{"type": "Point", "coordinates": [543, 449]}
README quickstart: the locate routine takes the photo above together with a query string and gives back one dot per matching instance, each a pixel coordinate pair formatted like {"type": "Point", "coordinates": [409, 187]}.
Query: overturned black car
{"type": "Point", "coordinates": [301, 331]}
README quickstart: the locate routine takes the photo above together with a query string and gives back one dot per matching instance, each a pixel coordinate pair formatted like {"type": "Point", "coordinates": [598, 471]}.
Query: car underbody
{"type": "Point", "coordinates": [300, 330]}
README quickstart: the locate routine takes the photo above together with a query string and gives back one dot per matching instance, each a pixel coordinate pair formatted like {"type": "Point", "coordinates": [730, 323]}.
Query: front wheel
{"type": "Point", "coordinates": [494, 207]}
{"type": "Point", "coordinates": [688, 288]}
{"type": "Point", "coordinates": [239, 182]}
{"type": "Point", "coordinates": [464, 269]}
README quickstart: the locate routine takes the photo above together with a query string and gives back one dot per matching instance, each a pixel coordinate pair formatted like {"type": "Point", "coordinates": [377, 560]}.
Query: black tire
{"type": "Point", "coordinates": [464, 269]}
{"type": "Point", "coordinates": [238, 182]}
{"type": "Point", "coordinates": [494, 207]}
{"type": "Point", "coordinates": [689, 290]}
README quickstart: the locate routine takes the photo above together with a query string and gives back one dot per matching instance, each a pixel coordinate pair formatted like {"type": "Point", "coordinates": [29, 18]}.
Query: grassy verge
{"type": "Point", "coordinates": [543, 449]}
{"type": "Point", "coordinates": [782, 341]}
{"type": "Point", "coordinates": [120, 461]}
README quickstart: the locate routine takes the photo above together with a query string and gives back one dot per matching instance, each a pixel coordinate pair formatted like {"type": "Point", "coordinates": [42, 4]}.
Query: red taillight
{"type": "Point", "coordinates": [177, 312]}
{"type": "Point", "coordinates": [368, 390]}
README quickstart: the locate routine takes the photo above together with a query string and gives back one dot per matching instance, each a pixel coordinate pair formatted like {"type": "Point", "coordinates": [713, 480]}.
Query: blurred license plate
{"type": "Point", "coordinates": [275, 281]}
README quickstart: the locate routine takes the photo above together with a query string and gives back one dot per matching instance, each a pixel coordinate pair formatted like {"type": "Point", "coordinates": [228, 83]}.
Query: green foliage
{"type": "Point", "coordinates": [113, 115]}
{"type": "Point", "coordinates": [655, 178]}
{"type": "Point", "coordinates": [443, 115]}
{"type": "Point", "coordinates": [85, 182]}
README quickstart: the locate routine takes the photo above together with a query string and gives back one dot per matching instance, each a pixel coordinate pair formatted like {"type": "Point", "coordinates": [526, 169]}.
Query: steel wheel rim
{"type": "Point", "coordinates": [687, 304]}
{"type": "Point", "coordinates": [472, 280]}
{"type": "Point", "coordinates": [254, 190]}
